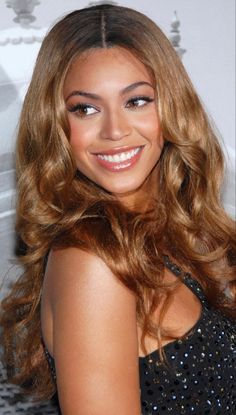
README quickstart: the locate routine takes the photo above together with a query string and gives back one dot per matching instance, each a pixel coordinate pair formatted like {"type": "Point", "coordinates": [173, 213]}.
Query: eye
{"type": "Point", "coordinates": [140, 101]}
{"type": "Point", "coordinates": [83, 110]}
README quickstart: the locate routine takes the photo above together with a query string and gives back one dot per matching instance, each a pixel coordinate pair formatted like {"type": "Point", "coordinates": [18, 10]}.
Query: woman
{"type": "Point", "coordinates": [129, 282]}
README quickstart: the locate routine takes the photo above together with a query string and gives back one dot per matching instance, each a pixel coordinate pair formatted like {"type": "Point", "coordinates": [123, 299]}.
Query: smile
{"type": "Point", "coordinates": [117, 158]}
{"type": "Point", "coordinates": [121, 160]}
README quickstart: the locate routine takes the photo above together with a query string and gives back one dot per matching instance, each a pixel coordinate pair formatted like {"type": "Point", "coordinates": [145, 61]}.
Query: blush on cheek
{"type": "Point", "coordinates": [75, 139]}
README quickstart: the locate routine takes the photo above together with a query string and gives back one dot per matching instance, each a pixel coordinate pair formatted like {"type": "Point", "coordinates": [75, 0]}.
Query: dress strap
{"type": "Point", "coordinates": [187, 279]}
{"type": "Point", "coordinates": [50, 361]}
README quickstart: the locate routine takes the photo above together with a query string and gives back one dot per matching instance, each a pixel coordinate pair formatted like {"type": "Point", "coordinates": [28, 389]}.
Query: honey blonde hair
{"type": "Point", "coordinates": [58, 207]}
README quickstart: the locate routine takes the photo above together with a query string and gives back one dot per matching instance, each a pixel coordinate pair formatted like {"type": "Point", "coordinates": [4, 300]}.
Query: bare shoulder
{"type": "Point", "coordinates": [73, 271]}
{"type": "Point", "coordinates": [95, 344]}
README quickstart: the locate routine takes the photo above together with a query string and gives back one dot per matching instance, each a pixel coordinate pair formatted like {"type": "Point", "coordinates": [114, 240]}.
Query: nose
{"type": "Point", "coordinates": [115, 126]}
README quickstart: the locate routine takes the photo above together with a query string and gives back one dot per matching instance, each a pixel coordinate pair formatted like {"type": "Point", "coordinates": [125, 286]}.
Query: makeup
{"type": "Point", "coordinates": [120, 160]}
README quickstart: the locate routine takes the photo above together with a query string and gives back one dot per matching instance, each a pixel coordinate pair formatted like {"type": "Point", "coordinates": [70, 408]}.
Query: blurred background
{"type": "Point", "coordinates": [203, 32]}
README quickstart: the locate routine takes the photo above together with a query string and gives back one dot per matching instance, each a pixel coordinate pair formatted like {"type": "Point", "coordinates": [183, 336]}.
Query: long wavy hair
{"type": "Point", "coordinates": [58, 206]}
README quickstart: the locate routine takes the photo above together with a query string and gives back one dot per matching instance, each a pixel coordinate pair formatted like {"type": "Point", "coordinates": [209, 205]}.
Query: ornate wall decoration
{"type": "Point", "coordinates": [23, 10]}
{"type": "Point", "coordinates": [175, 37]}
{"type": "Point", "coordinates": [23, 32]}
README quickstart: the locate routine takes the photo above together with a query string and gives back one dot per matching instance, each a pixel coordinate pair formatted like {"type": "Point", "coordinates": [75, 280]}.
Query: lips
{"type": "Point", "coordinates": [118, 159]}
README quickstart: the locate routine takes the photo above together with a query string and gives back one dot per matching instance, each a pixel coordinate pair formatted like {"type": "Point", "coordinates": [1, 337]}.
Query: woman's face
{"type": "Point", "coordinates": [115, 132]}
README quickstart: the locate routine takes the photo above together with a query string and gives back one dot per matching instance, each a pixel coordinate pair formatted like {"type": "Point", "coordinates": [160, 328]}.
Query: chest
{"type": "Point", "coordinates": [181, 315]}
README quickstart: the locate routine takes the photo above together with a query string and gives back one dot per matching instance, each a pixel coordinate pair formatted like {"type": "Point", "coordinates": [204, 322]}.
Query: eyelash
{"type": "Point", "coordinates": [141, 98]}
{"type": "Point", "coordinates": [76, 108]}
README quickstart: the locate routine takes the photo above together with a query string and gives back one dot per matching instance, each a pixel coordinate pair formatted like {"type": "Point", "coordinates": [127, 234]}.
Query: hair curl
{"type": "Point", "coordinates": [58, 206]}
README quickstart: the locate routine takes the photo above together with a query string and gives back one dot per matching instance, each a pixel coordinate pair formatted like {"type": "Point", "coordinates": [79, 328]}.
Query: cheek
{"type": "Point", "coordinates": [80, 136]}
{"type": "Point", "coordinates": [150, 128]}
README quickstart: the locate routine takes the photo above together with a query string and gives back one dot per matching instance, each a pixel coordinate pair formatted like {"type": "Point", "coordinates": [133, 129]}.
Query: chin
{"type": "Point", "coordinates": [124, 188]}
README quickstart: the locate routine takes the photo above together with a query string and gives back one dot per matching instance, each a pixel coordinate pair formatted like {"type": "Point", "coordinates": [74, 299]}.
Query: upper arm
{"type": "Point", "coordinates": [95, 344]}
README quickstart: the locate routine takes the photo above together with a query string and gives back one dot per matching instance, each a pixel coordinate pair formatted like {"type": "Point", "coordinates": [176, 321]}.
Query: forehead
{"type": "Point", "coordinates": [106, 65]}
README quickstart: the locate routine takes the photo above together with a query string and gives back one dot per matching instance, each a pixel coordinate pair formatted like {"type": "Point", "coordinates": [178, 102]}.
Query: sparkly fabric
{"type": "Point", "coordinates": [200, 377]}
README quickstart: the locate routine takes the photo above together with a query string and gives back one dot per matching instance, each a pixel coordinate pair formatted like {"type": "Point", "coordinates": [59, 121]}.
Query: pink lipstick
{"type": "Point", "coordinates": [117, 160]}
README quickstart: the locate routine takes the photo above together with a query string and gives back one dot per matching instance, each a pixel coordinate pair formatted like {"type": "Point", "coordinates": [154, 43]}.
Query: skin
{"type": "Point", "coordinates": [88, 316]}
{"type": "Point", "coordinates": [123, 116]}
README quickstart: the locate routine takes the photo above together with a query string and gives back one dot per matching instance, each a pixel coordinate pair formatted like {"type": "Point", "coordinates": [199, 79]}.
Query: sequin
{"type": "Point", "coordinates": [201, 367]}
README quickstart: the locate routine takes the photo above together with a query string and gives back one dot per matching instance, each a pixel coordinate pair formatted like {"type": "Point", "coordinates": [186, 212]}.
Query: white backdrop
{"type": "Point", "coordinates": [208, 35]}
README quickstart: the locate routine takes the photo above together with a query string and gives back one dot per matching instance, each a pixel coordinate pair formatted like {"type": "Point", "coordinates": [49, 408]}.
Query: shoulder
{"type": "Point", "coordinates": [73, 269]}
{"type": "Point", "coordinates": [80, 281]}
{"type": "Point", "coordinates": [94, 334]}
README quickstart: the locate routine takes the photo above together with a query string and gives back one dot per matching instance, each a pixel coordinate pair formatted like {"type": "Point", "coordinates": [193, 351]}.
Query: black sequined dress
{"type": "Point", "coordinates": [200, 377]}
{"type": "Point", "coordinates": [201, 374]}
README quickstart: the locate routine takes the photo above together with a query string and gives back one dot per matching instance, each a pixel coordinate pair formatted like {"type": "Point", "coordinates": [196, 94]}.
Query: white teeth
{"type": "Point", "coordinates": [120, 157]}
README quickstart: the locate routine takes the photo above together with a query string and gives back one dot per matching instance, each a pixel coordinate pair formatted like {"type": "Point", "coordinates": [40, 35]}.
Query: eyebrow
{"type": "Point", "coordinates": [97, 97]}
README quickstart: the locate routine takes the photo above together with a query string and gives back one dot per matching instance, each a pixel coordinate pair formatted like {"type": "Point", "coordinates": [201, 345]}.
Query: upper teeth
{"type": "Point", "coordinates": [117, 158]}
